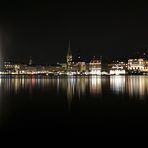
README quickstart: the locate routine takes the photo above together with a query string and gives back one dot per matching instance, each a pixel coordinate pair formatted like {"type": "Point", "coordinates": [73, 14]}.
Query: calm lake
{"type": "Point", "coordinates": [97, 105]}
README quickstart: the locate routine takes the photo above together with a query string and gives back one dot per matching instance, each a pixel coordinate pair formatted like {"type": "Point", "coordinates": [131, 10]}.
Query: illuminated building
{"type": "Point", "coordinates": [137, 66]}
{"type": "Point", "coordinates": [10, 68]}
{"type": "Point", "coordinates": [81, 67]}
{"type": "Point", "coordinates": [95, 67]}
{"type": "Point", "coordinates": [117, 68]}
{"type": "Point", "coordinates": [57, 69]}
{"type": "Point", "coordinates": [63, 65]}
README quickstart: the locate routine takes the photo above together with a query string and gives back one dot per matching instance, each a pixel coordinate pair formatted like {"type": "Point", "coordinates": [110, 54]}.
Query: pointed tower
{"type": "Point", "coordinates": [69, 55]}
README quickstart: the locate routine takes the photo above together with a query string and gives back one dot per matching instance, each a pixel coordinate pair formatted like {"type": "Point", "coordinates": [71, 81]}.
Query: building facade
{"type": "Point", "coordinates": [138, 66]}
{"type": "Point", "coordinates": [95, 67]}
{"type": "Point", "coordinates": [117, 68]}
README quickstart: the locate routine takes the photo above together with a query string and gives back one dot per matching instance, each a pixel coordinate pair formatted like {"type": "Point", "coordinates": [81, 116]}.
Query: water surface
{"type": "Point", "coordinates": [75, 105]}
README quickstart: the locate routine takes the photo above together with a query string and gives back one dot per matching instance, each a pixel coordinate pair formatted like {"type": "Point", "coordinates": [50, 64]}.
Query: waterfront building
{"type": "Point", "coordinates": [10, 68]}
{"type": "Point", "coordinates": [95, 67]}
{"type": "Point", "coordinates": [80, 64]}
{"type": "Point", "coordinates": [63, 65]}
{"type": "Point", "coordinates": [137, 66]}
{"type": "Point", "coordinates": [81, 67]}
{"type": "Point", "coordinates": [31, 70]}
{"type": "Point", "coordinates": [22, 69]}
{"type": "Point", "coordinates": [117, 68]}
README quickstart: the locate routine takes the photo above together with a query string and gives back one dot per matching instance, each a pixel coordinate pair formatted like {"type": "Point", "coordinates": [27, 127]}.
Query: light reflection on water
{"type": "Point", "coordinates": [95, 86]}
{"type": "Point", "coordinates": [117, 84]}
{"type": "Point", "coordinates": [133, 86]}
{"type": "Point", "coordinates": [137, 86]}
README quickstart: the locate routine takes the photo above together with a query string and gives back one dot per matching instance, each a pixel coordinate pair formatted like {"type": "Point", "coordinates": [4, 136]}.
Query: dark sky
{"type": "Point", "coordinates": [42, 29]}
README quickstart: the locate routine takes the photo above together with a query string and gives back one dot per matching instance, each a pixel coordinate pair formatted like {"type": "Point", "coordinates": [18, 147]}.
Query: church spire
{"type": "Point", "coordinates": [69, 55]}
{"type": "Point", "coordinates": [69, 50]}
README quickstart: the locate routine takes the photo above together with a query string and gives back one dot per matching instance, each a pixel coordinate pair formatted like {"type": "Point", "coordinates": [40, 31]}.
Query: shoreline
{"type": "Point", "coordinates": [60, 76]}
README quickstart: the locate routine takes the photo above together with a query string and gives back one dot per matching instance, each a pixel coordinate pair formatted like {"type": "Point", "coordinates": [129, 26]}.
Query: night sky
{"type": "Point", "coordinates": [41, 30]}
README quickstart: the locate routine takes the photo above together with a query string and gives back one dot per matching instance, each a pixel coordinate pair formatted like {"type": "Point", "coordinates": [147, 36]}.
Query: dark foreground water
{"type": "Point", "coordinates": [116, 105]}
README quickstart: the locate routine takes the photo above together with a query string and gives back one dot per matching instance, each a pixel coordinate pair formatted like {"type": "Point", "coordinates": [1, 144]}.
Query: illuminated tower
{"type": "Point", "coordinates": [69, 56]}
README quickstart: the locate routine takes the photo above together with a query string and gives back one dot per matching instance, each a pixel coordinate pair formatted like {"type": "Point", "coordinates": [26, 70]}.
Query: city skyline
{"type": "Point", "coordinates": [77, 56]}
{"type": "Point", "coordinates": [73, 68]}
